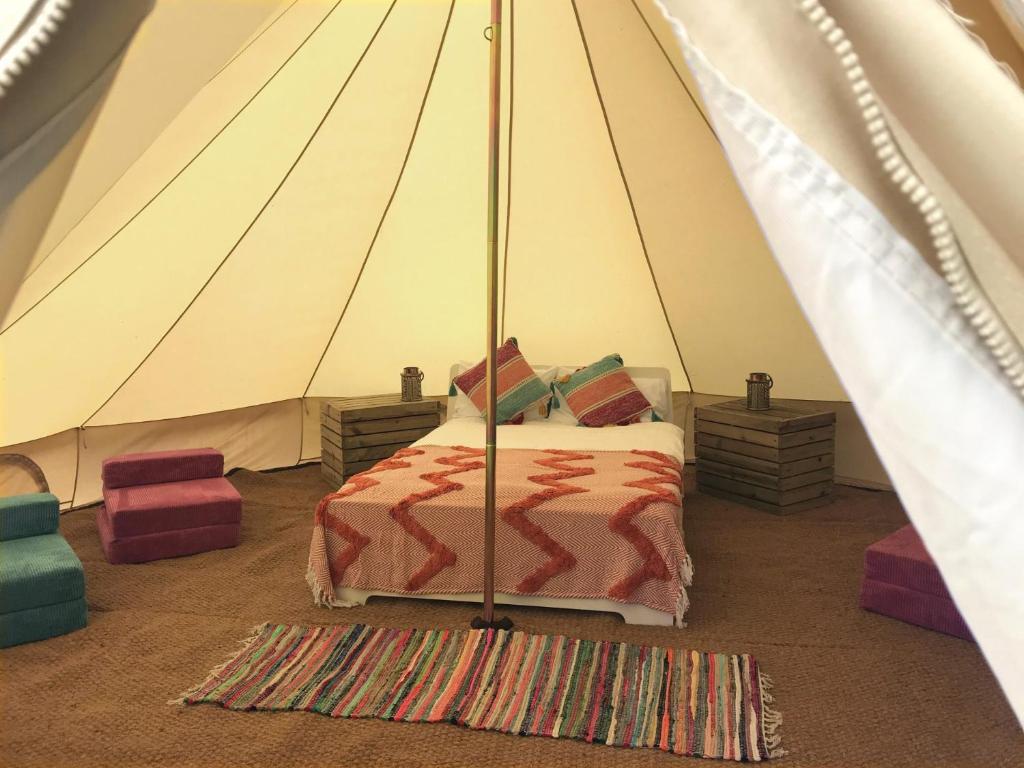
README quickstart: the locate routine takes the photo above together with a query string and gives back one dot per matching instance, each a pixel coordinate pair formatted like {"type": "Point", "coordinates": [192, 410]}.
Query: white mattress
{"type": "Point", "coordinates": [649, 436]}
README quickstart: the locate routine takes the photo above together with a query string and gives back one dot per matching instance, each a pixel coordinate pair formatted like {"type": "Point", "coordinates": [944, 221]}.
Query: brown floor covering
{"type": "Point", "coordinates": [855, 689]}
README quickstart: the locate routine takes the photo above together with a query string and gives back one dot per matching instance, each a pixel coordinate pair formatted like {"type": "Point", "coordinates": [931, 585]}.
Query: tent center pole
{"type": "Point", "coordinates": [493, 148]}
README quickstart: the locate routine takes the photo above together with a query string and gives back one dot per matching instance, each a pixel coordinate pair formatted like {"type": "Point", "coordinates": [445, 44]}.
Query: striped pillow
{"type": "Point", "coordinates": [603, 394]}
{"type": "Point", "coordinates": [519, 388]}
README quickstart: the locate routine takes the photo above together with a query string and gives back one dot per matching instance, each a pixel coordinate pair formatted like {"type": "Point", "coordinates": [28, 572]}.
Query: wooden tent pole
{"type": "Point", "coordinates": [494, 131]}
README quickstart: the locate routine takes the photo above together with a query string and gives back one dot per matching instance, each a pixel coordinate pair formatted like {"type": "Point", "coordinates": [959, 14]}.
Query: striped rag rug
{"type": "Point", "coordinates": [682, 702]}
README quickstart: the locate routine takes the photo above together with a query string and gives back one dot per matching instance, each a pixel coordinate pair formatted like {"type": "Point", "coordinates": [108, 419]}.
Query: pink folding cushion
{"type": "Point", "coordinates": [903, 582]}
{"type": "Point", "coordinates": [164, 544]}
{"type": "Point", "coordinates": [167, 504]}
{"type": "Point", "coordinates": [162, 467]}
{"type": "Point", "coordinates": [144, 509]}
{"type": "Point", "coordinates": [900, 558]}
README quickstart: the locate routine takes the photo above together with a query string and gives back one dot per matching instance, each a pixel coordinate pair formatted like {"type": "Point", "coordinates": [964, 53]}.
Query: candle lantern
{"type": "Point", "coordinates": [412, 378]}
{"type": "Point", "coordinates": [758, 398]}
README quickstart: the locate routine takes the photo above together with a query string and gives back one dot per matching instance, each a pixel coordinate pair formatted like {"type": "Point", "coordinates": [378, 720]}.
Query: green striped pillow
{"type": "Point", "coordinates": [603, 394]}
{"type": "Point", "coordinates": [519, 388]}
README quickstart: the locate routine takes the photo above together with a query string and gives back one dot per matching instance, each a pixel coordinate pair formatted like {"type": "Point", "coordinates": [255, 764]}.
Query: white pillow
{"type": "Point", "coordinates": [658, 392]}
{"type": "Point", "coordinates": [460, 406]}
{"type": "Point", "coordinates": [560, 412]}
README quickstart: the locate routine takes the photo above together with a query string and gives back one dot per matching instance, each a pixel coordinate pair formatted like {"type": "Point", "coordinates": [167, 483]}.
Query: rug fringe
{"type": "Point", "coordinates": [771, 719]}
{"type": "Point", "coordinates": [253, 635]}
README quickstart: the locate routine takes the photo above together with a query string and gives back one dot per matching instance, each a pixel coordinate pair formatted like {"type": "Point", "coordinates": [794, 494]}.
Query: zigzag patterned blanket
{"type": "Point", "coordinates": [570, 524]}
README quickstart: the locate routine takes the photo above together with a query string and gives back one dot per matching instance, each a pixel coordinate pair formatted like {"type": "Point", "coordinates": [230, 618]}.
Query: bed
{"type": "Point", "coordinates": [587, 519]}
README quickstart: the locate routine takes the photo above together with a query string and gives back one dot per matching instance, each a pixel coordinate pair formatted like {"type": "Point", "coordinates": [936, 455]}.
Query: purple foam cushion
{"type": "Point", "coordinates": [161, 467]}
{"type": "Point", "coordinates": [901, 559]}
{"type": "Point", "coordinates": [158, 546]}
{"type": "Point", "coordinates": [143, 509]}
{"type": "Point", "coordinates": [914, 607]}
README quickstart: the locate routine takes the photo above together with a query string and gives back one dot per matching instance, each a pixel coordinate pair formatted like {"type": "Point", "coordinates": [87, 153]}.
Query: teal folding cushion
{"type": "Point", "coordinates": [39, 571]}
{"type": "Point", "coordinates": [40, 623]}
{"type": "Point", "coordinates": [31, 514]}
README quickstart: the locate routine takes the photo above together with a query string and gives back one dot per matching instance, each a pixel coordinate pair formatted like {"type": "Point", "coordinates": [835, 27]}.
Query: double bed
{"type": "Point", "coordinates": [587, 519]}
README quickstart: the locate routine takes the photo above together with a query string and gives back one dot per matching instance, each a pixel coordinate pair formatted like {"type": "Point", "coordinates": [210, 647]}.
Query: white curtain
{"type": "Point", "coordinates": [890, 325]}
{"type": "Point", "coordinates": [57, 61]}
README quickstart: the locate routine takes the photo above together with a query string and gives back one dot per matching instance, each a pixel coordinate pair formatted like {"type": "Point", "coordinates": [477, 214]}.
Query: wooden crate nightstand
{"type": "Point", "coordinates": [357, 432]}
{"type": "Point", "coordinates": [780, 460]}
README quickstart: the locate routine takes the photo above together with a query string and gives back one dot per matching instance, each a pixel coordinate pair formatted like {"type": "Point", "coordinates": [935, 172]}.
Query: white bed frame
{"type": "Point", "coordinates": [630, 613]}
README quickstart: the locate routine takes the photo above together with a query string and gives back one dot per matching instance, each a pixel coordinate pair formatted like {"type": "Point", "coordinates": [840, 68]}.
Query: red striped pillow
{"type": "Point", "coordinates": [519, 388]}
{"type": "Point", "coordinates": [603, 394]}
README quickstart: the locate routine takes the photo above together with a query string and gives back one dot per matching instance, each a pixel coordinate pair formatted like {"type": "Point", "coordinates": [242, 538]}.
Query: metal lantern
{"type": "Point", "coordinates": [412, 377]}
{"type": "Point", "coordinates": [758, 398]}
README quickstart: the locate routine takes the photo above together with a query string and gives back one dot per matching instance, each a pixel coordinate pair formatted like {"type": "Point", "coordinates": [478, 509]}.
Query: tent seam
{"type": "Point", "coordinates": [255, 219]}
{"type": "Point", "coordinates": [387, 206]}
{"type": "Point", "coordinates": [162, 189]}
{"type": "Point", "coordinates": [668, 60]}
{"type": "Point", "coordinates": [79, 435]}
{"type": "Point", "coordinates": [302, 428]}
{"type": "Point", "coordinates": [629, 194]}
{"type": "Point", "coordinates": [256, 37]}
{"type": "Point", "coordinates": [508, 172]}
{"type": "Point", "coordinates": [121, 175]}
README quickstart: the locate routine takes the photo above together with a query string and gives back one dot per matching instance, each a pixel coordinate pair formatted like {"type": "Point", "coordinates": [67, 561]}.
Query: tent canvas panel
{"type": "Point", "coordinates": [260, 437]}
{"type": "Point", "coordinates": [215, 106]}
{"type": "Point", "coordinates": [305, 227]}
{"type": "Point", "coordinates": [313, 221]}
{"type": "Point", "coordinates": [179, 47]}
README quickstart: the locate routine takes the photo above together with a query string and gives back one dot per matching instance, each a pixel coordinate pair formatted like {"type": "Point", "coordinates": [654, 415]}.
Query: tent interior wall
{"type": "Point", "coordinates": [182, 45]}
{"type": "Point", "coordinates": [277, 203]}
{"type": "Point", "coordinates": [326, 250]}
{"type": "Point", "coordinates": [612, 196]}
{"type": "Point", "coordinates": [287, 433]}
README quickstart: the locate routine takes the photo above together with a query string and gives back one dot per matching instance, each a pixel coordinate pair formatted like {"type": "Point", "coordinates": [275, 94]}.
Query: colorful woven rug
{"type": "Point", "coordinates": [683, 702]}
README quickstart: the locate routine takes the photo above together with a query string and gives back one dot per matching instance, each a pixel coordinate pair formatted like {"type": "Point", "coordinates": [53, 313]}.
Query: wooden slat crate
{"type": "Point", "coordinates": [357, 432]}
{"type": "Point", "coordinates": [780, 460]}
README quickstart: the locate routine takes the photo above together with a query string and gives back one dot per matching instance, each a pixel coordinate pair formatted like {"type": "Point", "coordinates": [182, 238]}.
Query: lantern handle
{"type": "Point", "coordinates": [770, 382]}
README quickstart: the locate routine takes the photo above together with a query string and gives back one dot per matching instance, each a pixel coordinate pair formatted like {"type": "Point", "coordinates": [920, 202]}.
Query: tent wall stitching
{"type": "Point", "coordinates": [391, 199]}
{"type": "Point", "coordinates": [629, 194]}
{"type": "Point", "coordinates": [164, 188]}
{"type": "Point", "coordinates": [508, 172]}
{"type": "Point", "coordinates": [259, 213]}
{"type": "Point", "coordinates": [679, 77]}
{"type": "Point", "coordinates": [255, 37]}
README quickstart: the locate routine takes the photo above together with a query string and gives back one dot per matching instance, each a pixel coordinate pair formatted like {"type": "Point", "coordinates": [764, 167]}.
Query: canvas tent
{"type": "Point", "coordinates": [314, 219]}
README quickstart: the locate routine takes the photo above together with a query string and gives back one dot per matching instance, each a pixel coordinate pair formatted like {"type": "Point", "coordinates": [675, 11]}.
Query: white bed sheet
{"type": "Point", "coordinates": [658, 436]}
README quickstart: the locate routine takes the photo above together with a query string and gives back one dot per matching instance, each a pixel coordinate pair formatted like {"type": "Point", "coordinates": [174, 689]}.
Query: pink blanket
{"type": "Point", "coordinates": [570, 524]}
